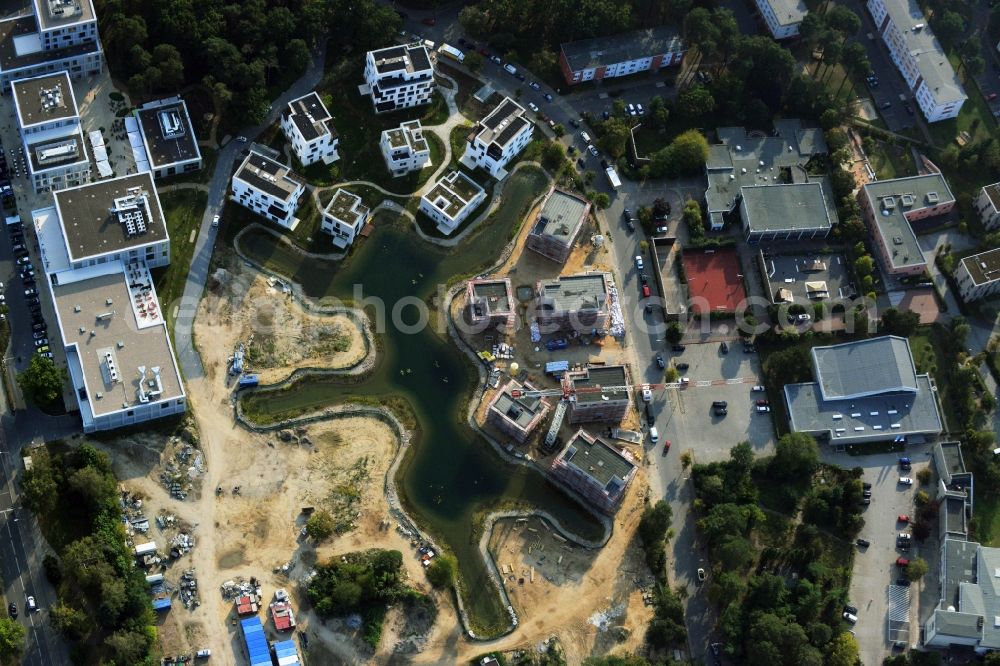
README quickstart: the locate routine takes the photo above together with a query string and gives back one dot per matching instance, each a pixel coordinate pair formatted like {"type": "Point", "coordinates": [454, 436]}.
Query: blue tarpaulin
{"type": "Point", "coordinates": [161, 604]}
{"type": "Point", "coordinates": [253, 634]}
{"type": "Point", "coordinates": [556, 367]}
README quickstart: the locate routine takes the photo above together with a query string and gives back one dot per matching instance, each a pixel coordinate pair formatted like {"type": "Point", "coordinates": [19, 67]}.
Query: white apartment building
{"type": "Point", "coordinates": [98, 243]}
{"type": "Point", "coordinates": [166, 144]}
{"type": "Point", "coordinates": [451, 200]}
{"type": "Point", "coordinates": [498, 138]}
{"type": "Point", "coordinates": [919, 57]}
{"type": "Point", "coordinates": [987, 204]}
{"type": "Point", "coordinates": [344, 217]}
{"type": "Point", "coordinates": [978, 276]}
{"type": "Point", "coordinates": [58, 35]}
{"type": "Point", "coordinates": [307, 125]}
{"type": "Point", "coordinates": [51, 133]}
{"type": "Point", "coordinates": [399, 77]}
{"type": "Point", "coordinates": [268, 188]}
{"type": "Point", "coordinates": [405, 149]}
{"type": "Point", "coordinates": [783, 17]}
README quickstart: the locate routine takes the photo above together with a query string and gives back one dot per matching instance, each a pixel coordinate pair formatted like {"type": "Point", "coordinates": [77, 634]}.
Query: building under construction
{"type": "Point", "coordinates": [491, 304]}
{"type": "Point", "coordinates": [579, 303]}
{"type": "Point", "coordinates": [595, 470]}
{"type": "Point", "coordinates": [593, 399]}
{"type": "Point", "coordinates": [516, 417]}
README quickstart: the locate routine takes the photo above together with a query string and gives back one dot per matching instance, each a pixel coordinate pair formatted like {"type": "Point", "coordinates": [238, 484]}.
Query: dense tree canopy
{"type": "Point", "coordinates": [42, 381]}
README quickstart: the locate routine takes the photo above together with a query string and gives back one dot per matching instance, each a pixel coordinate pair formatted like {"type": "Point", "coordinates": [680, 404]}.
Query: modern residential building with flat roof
{"type": "Point", "coordinates": [516, 417]}
{"type": "Point", "coordinates": [785, 212]}
{"type": "Point", "coordinates": [782, 17]}
{"type": "Point", "coordinates": [451, 200]}
{"type": "Point", "coordinates": [111, 220]}
{"type": "Point", "coordinates": [268, 188]}
{"type": "Point", "coordinates": [573, 303]}
{"type": "Point", "coordinates": [344, 217]}
{"type": "Point", "coordinates": [889, 208]}
{"type": "Point", "coordinates": [51, 133]}
{"type": "Point", "coordinates": [865, 391]}
{"type": "Point", "coordinates": [169, 145]}
{"type": "Point", "coordinates": [308, 126]}
{"type": "Point", "coordinates": [558, 225]}
{"type": "Point", "coordinates": [741, 160]}
{"type": "Point", "coordinates": [98, 243]}
{"type": "Point", "coordinates": [988, 206]}
{"type": "Point", "coordinates": [498, 138]}
{"type": "Point", "coordinates": [491, 304]}
{"type": "Point", "coordinates": [600, 393]}
{"type": "Point", "coordinates": [978, 276]}
{"type": "Point", "coordinates": [405, 149]}
{"type": "Point", "coordinates": [620, 55]}
{"type": "Point", "coordinates": [595, 470]}
{"type": "Point", "coordinates": [57, 35]}
{"type": "Point", "coordinates": [919, 57]}
{"type": "Point", "coordinates": [399, 77]}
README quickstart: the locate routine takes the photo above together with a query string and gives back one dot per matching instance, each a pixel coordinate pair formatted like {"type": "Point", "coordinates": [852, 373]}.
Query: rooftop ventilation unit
{"type": "Point", "coordinates": [889, 203]}
{"type": "Point", "coordinates": [932, 197]}
{"type": "Point", "coordinates": [906, 199]}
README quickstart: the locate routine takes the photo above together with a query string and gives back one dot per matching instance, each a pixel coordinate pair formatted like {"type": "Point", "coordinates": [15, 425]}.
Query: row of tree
{"type": "Point", "coordinates": [103, 606]}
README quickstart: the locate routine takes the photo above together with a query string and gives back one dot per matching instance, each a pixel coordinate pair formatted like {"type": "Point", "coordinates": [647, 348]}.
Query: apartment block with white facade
{"type": "Point", "coordinates": [268, 188]}
{"type": "Point", "coordinates": [51, 133]}
{"type": "Point", "coordinates": [405, 149]}
{"type": "Point", "coordinates": [57, 35]}
{"type": "Point", "coordinates": [98, 243]}
{"type": "Point", "coordinates": [344, 217]}
{"type": "Point", "coordinates": [399, 77]}
{"type": "Point", "coordinates": [987, 204]}
{"type": "Point", "coordinates": [309, 128]}
{"type": "Point", "coordinates": [978, 276]}
{"type": "Point", "coordinates": [919, 57]}
{"type": "Point", "coordinates": [451, 200]}
{"type": "Point", "coordinates": [647, 50]}
{"type": "Point", "coordinates": [782, 17]}
{"type": "Point", "coordinates": [498, 138]}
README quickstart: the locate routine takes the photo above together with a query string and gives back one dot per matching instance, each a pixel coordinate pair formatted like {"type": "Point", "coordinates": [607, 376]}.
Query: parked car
{"type": "Point", "coordinates": [863, 543]}
{"type": "Point", "coordinates": [905, 481]}
{"type": "Point", "coordinates": [853, 610]}
{"type": "Point", "coordinates": [629, 224]}
{"type": "Point", "coordinates": [850, 617]}
{"type": "Point", "coordinates": [557, 343]}
{"type": "Point", "coordinates": [903, 518]}
{"type": "Point", "coordinates": [660, 362]}
{"type": "Point", "coordinates": [534, 85]}
{"type": "Point", "coordinates": [758, 388]}
{"type": "Point", "coordinates": [12, 609]}
{"type": "Point", "coordinates": [647, 393]}
{"type": "Point", "coordinates": [37, 335]}
{"type": "Point", "coordinates": [682, 366]}
{"type": "Point", "coordinates": [666, 447]}
{"type": "Point", "coordinates": [991, 97]}
{"type": "Point", "coordinates": [904, 462]}
{"type": "Point", "coordinates": [763, 409]}
{"type": "Point", "coordinates": [548, 97]}
{"type": "Point", "coordinates": [41, 342]}
{"type": "Point", "coordinates": [645, 291]}
{"type": "Point", "coordinates": [720, 411]}
{"type": "Point", "coordinates": [866, 485]}
{"type": "Point", "coordinates": [631, 109]}
{"type": "Point", "coordinates": [32, 606]}
{"type": "Point", "coordinates": [720, 403]}
{"type": "Point", "coordinates": [724, 347]}
{"type": "Point", "coordinates": [903, 580]}
{"type": "Point", "coordinates": [30, 292]}
{"type": "Point", "coordinates": [639, 110]}
{"type": "Point", "coordinates": [638, 263]}
{"type": "Point", "coordinates": [701, 575]}
{"type": "Point", "coordinates": [763, 402]}
{"type": "Point", "coordinates": [533, 107]}
{"type": "Point", "coordinates": [902, 562]}
{"type": "Point", "coordinates": [215, 220]}
{"type": "Point", "coordinates": [593, 150]}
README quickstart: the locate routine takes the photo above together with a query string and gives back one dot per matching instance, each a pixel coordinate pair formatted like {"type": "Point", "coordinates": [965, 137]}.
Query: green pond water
{"type": "Point", "coordinates": [451, 471]}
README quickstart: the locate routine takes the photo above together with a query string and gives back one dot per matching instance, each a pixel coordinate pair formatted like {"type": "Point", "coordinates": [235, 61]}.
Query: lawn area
{"type": "Point", "coordinates": [844, 87]}
{"type": "Point", "coordinates": [459, 139]}
{"type": "Point", "coordinates": [975, 117]}
{"type": "Point", "coordinates": [987, 516]}
{"type": "Point", "coordinates": [183, 210]}
{"type": "Point", "coordinates": [928, 354]}
{"type": "Point", "coordinates": [648, 141]}
{"type": "Point", "coordinates": [890, 161]}
{"type": "Point", "coordinates": [307, 233]}
{"type": "Point", "coordinates": [467, 85]}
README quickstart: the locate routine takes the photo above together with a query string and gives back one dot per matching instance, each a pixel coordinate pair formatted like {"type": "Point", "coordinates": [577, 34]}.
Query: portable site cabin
{"type": "Point", "coordinates": [286, 653]}
{"type": "Point", "coordinates": [145, 548]}
{"type": "Point", "coordinates": [256, 642]}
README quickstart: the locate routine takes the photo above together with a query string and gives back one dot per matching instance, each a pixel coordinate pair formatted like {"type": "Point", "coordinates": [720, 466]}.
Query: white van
{"type": "Point", "coordinates": [654, 435]}
{"type": "Point", "coordinates": [585, 137]}
{"type": "Point", "coordinates": [510, 69]}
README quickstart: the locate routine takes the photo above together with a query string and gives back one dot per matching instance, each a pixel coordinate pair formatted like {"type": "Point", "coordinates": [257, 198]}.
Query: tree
{"type": "Point", "coordinates": [614, 138]}
{"type": "Point", "coordinates": [855, 61]}
{"type": "Point", "coordinates": [40, 488]}
{"type": "Point", "coordinates": [441, 571]}
{"type": "Point", "coordinates": [949, 26]}
{"type": "Point", "coordinates": [695, 103]}
{"type": "Point", "coordinates": [659, 114]}
{"type": "Point", "coordinates": [320, 525]}
{"type": "Point", "coordinates": [543, 63]}
{"type": "Point", "coordinates": [655, 521]}
{"type": "Point", "coordinates": [842, 651]}
{"type": "Point", "coordinates": [11, 640]}
{"type": "Point", "coordinates": [899, 323]}
{"type": "Point", "coordinates": [474, 61]}
{"type": "Point", "coordinates": [788, 366]}
{"type": "Point", "coordinates": [171, 66]}
{"type": "Point", "coordinates": [843, 20]}
{"type": "Point", "coordinates": [297, 55]}
{"type": "Point", "coordinates": [916, 569]}
{"type": "Point", "coordinates": [689, 152]}
{"type": "Point", "coordinates": [674, 333]}
{"type": "Point", "coordinates": [127, 647]}
{"type": "Point", "coordinates": [475, 21]}
{"type": "Point", "coordinates": [602, 200]}
{"type": "Point", "coordinates": [42, 381]}
{"type": "Point", "coordinates": [796, 457]}
{"type": "Point", "coordinates": [93, 490]}
{"type": "Point", "coordinates": [553, 154]}
{"type": "Point", "coordinates": [68, 621]}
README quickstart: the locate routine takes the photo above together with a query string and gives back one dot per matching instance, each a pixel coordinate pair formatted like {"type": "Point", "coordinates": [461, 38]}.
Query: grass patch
{"type": "Point", "coordinates": [458, 139]}
{"type": "Point", "coordinates": [183, 210]}
{"type": "Point", "coordinates": [890, 161]}
{"type": "Point", "coordinates": [987, 516]}
{"type": "Point", "coordinates": [929, 356]}
{"type": "Point", "coordinates": [649, 141]}
{"type": "Point", "coordinates": [307, 232]}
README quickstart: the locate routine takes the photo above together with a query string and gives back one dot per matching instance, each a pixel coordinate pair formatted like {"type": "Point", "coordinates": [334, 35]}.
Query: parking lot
{"type": "Point", "coordinates": [873, 590]}
{"type": "Point", "coordinates": [689, 420]}
{"type": "Point", "coordinates": [793, 273]}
